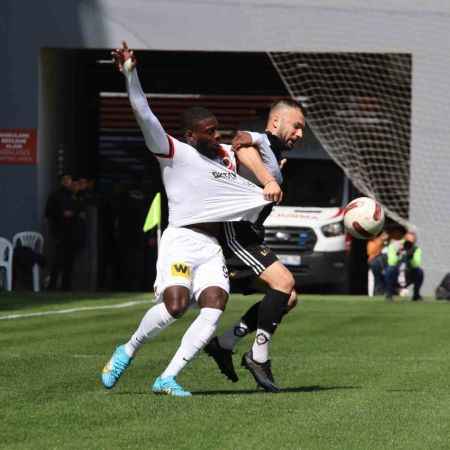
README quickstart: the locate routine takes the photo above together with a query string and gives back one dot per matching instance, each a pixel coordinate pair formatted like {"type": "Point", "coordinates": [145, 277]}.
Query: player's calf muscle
{"type": "Point", "coordinates": [279, 277]}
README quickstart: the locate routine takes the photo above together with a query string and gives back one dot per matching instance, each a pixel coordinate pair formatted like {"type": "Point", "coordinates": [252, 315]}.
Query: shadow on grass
{"type": "Point", "coordinates": [246, 391]}
{"type": "Point", "coordinates": [283, 391]}
{"type": "Point", "coordinates": [402, 390]}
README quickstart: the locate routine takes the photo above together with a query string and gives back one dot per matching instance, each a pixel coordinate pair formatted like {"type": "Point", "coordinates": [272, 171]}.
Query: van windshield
{"type": "Point", "coordinates": [310, 182]}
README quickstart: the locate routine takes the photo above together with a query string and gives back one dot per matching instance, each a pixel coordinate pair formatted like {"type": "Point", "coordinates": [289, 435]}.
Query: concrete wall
{"type": "Point", "coordinates": [30, 27]}
{"type": "Point", "coordinates": [259, 25]}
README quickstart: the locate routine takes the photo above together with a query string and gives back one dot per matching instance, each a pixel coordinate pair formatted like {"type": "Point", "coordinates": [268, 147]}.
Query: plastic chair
{"type": "Point", "coordinates": [6, 254]}
{"type": "Point", "coordinates": [35, 241]}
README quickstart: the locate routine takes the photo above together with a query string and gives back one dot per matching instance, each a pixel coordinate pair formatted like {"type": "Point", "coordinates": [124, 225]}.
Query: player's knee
{"type": "Point", "coordinates": [290, 281]}
{"type": "Point", "coordinates": [177, 306]}
{"type": "Point", "coordinates": [176, 300]}
{"type": "Point", "coordinates": [284, 282]}
{"type": "Point", "coordinates": [213, 297]}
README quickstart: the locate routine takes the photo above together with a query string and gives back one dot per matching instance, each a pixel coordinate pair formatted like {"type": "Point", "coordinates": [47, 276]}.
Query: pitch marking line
{"type": "Point", "coordinates": [73, 310]}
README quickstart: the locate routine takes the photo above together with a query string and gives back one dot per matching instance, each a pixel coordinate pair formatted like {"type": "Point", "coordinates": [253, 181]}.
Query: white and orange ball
{"type": "Point", "coordinates": [364, 218]}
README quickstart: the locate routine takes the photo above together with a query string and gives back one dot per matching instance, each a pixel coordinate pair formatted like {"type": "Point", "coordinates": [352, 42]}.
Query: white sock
{"type": "Point", "coordinates": [232, 336]}
{"type": "Point", "coordinates": [155, 320]}
{"type": "Point", "coordinates": [196, 337]}
{"type": "Point", "coordinates": [260, 349]}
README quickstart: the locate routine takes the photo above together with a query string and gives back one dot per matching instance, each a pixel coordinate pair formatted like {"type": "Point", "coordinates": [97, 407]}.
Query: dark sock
{"type": "Point", "coordinates": [250, 318]}
{"type": "Point", "coordinates": [271, 310]}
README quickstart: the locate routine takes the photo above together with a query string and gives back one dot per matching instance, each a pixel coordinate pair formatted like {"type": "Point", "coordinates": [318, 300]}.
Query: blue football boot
{"type": "Point", "coordinates": [115, 367]}
{"type": "Point", "coordinates": [168, 386]}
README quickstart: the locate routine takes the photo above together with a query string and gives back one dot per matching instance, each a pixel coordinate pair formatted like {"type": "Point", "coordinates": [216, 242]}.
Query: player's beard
{"type": "Point", "coordinates": [283, 136]}
{"type": "Point", "coordinates": [208, 148]}
{"type": "Point", "coordinates": [278, 145]}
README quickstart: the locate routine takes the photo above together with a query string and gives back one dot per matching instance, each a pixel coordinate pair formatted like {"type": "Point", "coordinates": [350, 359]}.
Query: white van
{"type": "Point", "coordinates": [307, 231]}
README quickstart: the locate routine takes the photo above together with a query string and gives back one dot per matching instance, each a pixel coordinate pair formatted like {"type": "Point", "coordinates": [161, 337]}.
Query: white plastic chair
{"type": "Point", "coordinates": [6, 257]}
{"type": "Point", "coordinates": [35, 241]}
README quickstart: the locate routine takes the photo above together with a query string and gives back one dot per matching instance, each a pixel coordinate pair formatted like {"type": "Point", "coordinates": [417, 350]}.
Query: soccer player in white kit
{"type": "Point", "coordinates": [190, 263]}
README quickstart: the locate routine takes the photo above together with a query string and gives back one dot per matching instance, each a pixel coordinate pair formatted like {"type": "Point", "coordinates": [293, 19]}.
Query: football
{"type": "Point", "coordinates": [364, 218]}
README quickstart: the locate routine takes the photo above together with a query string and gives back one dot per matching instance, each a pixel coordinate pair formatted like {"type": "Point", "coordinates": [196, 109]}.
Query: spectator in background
{"type": "Point", "coordinates": [377, 261]}
{"type": "Point", "coordinates": [404, 252]}
{"type": "Point", "coordinates": [67, 226]}
{"type": "Point", "coordinates": [79, 229]}
{"type": "Point", "coordinates": [54, 202]}
{"type": "Point", "coordinates": [60, 212]}
{"type": "Point", "coordinates": [86, 191]}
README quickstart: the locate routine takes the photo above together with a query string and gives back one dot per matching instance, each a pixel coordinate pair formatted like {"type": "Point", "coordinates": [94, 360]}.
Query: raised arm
{"type": "Point", "coordinates": [155, 137]}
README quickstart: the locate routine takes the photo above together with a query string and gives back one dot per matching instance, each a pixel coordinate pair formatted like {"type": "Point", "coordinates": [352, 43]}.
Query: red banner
{"type": "Point", "coordinates": [18, 146]}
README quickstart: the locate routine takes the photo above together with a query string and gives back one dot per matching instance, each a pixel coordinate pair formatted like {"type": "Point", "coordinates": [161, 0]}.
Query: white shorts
{"type": "Point", "coordinates": [190, 259]}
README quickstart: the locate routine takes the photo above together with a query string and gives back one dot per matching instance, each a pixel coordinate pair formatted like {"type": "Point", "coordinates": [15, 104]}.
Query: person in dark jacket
{"type": "Point", "coordinates": [62, 213]}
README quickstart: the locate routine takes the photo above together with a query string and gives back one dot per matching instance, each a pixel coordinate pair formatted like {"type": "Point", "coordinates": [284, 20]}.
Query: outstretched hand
{"type": "Point", "coordinates": [124, 55]}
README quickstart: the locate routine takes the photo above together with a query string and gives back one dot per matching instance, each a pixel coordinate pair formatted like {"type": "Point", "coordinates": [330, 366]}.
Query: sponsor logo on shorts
{"type": "Point", "coordinates": [264, 251]}
{"type": "Point", "coordinates": [181, 270]}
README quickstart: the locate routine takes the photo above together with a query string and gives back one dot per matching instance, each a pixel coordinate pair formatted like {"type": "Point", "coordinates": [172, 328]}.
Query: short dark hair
{"type": "Point", "coordinates": [289, 102]}
{"type": "Point", "coordinates": [190, 117]}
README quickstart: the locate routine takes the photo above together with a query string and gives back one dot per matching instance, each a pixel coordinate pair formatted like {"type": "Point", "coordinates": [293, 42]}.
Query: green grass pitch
{"type": "Point", "coordinates": [357, 373]}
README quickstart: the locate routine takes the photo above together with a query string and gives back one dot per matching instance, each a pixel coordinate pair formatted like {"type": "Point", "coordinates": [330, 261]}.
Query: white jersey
{"type": "Point", "coordinates": [198, 189]}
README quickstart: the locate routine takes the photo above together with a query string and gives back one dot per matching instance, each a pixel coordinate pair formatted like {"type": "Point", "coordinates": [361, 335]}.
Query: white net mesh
{"type": "Point", "coordinates": [359, 107]}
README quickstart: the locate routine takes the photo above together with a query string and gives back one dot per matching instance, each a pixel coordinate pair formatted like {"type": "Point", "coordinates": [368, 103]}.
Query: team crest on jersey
{"type": "Point", "coordinates": [180, 269]}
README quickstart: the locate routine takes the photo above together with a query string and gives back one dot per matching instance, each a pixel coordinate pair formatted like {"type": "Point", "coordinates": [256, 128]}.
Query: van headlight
{"type": "Point", "coordinates": [333, 229]}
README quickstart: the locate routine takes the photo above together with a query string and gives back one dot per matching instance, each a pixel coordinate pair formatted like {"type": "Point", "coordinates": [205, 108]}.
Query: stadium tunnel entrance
{"type": "Point", "coordinates": [88, 130]}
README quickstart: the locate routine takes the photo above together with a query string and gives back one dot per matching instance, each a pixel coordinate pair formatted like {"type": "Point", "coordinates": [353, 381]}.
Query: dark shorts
{"type": "Point", "coordinates": [243, 246]}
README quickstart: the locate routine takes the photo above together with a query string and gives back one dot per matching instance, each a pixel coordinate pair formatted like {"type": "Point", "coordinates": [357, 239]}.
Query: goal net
{"type": "Point", "coordinates": [359, 107]}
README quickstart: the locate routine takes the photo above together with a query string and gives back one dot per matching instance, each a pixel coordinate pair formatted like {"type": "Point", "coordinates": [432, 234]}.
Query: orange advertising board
{"type": "Point", "coordinates": [18, 146]}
